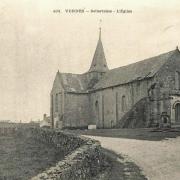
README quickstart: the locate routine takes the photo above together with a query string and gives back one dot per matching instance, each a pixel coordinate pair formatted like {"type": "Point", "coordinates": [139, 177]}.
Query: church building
{"type": "Point", "coordinates": [142, 94]}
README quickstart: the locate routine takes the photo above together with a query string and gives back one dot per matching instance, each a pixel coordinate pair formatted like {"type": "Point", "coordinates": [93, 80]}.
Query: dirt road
{"type": "Point", "coordinates": [159, 160]}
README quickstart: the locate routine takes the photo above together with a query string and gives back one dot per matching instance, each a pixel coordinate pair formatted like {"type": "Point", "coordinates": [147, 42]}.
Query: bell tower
{"type": "Point", "coordinates": [99, 65]}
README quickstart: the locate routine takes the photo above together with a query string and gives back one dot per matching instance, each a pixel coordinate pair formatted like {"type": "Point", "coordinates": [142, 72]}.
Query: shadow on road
{"type": "Point", "coordinates": [120, 168]}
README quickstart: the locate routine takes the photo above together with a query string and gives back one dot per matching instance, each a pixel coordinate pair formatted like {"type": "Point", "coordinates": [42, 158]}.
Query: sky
{"type": "Point", "coordinates": [35, 43]}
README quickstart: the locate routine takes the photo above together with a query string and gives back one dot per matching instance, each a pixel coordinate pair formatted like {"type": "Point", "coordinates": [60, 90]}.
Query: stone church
{"type": "Point", "coordinates": [142, 94]}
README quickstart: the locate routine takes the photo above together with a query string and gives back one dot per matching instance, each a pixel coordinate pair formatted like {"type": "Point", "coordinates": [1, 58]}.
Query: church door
{"type": "Point", "coordinates": [177, 113]}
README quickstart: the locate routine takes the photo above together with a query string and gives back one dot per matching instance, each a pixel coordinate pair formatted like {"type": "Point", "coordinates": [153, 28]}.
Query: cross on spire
{"type": "Point", "coordinates": [100, 21]}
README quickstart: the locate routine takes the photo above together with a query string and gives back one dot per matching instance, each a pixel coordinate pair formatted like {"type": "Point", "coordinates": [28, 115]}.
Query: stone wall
{"type": "Point", "coordinates": [166, 90]}
{"type": "Point", "coordinates": [84, 158]}
{"type": "Point", "coordinates": [138, 116]}
{"type": "Point", "coordinates": [76, 110]}
{"type": "Point", "coordinates": [163, 91]}
{"type": "Point", "coordinates": [107, 105]}
{"type": "Point", "coordinates": [57, 108]}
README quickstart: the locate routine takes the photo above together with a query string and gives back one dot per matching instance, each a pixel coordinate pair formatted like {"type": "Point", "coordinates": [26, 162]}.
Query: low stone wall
{"type": "Point", "coordinates": [84, 160]}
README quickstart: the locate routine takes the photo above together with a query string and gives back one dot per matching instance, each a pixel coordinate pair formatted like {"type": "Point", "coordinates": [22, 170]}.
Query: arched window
{"type": "Point", "coordinates": [177, 112]}
{"type": "Point", "coordinates": [177, 80]}
{"type": "Point", "coordinates": [97, 109]}
{"type": "Point", "coordinates": [96, 103]}
{"type": "Point", "coordinates": [56, 103]}
{"type": "Point", "coordinates": [123, 104]}
{"type": "Point", "coordinates": [117, 118]}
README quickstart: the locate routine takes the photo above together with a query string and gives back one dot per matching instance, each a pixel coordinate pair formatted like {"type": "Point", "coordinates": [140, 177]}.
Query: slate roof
{"type": "Point", "coordinates": [136, 71]}
{"type": "Point", "coordinates": [147, 68]}
{"type": "Point", "coordinates": [73, 82]}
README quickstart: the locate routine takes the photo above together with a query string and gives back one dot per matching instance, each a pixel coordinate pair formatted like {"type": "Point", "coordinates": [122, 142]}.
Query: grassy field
{"type": "Point", "coordinates": [22, 158]}
{"type": "Point", "coordinates": [141, 134]}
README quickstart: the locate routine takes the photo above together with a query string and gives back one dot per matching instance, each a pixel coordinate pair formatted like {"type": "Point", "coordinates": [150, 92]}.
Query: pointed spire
{"type": "Point", "coordinates": [99, 63]}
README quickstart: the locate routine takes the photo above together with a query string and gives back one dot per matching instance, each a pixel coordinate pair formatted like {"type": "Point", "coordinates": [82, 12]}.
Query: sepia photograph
{"type": "Point", "coordinates": [89, 90]}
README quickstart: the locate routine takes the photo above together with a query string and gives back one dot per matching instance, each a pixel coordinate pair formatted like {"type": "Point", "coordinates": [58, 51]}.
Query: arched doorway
{"type": "Point", "coordinates": [177, 112]}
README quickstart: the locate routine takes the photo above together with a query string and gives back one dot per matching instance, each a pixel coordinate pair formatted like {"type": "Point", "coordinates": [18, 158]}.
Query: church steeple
{"type": "Point", "coordinates": [99, 63]}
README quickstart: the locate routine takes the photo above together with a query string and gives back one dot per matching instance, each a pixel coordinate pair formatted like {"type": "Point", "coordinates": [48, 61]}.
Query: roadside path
{"type": "Point", "coordinates": [159, 160]}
